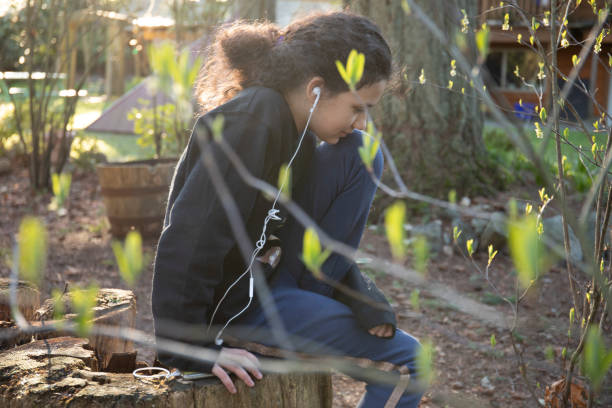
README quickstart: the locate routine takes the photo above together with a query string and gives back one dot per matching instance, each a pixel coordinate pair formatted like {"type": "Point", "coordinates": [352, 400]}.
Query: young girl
{"type": "Point", "coordinates": [279, 93]}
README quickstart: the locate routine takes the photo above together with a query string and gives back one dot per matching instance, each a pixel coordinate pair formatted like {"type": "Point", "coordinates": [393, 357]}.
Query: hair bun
{"type": "Point", "coordinates": [247, 44]}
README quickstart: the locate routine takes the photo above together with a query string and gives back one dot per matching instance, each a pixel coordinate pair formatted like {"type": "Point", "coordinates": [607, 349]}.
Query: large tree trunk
{"type": "Point", "coordinates": [435, 133]}
{"type": "Point", "coordinates": [257, 9]}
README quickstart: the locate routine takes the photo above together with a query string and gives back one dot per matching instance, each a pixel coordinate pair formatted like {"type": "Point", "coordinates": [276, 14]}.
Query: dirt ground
{"type": "Point", "coordinates": [469, 371]}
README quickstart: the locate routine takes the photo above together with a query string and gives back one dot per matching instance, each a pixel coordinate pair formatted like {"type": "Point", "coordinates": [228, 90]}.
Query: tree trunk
{"type": "Point", "coordinates": [435, 133]}
{"type": "Point", "coordinates": [72, 378]}
{"type": "Point", "coordinates": [257, 9]}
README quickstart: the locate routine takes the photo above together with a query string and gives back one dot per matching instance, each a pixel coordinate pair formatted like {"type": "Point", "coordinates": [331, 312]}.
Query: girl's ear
{"type": "Point", "coordinates": [315, 82]}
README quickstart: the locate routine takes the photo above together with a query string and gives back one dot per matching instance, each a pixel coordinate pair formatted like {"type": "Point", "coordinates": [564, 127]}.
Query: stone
{"type": "Point", "coordinates": [432, 231]}
{"type": "Point", "coordinates": [496, 232]}
{"type": "Point", "coordinates": [553, 234]}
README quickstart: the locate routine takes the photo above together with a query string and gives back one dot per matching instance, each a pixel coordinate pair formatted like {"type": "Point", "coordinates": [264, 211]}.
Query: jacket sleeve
{"type": "Point", "coordinates": [197, 236]}
{"type": "Point", "coordinates": [376, 311]}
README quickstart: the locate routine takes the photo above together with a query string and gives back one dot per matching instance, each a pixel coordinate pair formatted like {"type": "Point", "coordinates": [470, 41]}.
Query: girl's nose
{"type": "Point", "coordinates": [360, 122]}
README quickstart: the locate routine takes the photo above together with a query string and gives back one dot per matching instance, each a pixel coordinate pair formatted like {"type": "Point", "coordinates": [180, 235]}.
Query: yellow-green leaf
{"type": "Point", "coordinates": [83, 303]}
{"type": "Point", "coordinates": [394, 226]}
{"type": "Point", "coordinates": [285, 180]}
{"type": "Point", "coordinates": [526, 250]}
{"type": "Point", "coordinates": [492, 254]}
{"type": "Point", "coordinates": [32, 243]}
{"type": "Point", "coordinates": [425, 366]}
{"type": "Point", "coordinates": [129, 257]}
{"type": "Point", "coordinates": [493, 341]}
{"type": "Point", "coordinates": [597, 360]}
{"type": "Point", "coordinates": [312, 256]}
{"type": "Point", "coordinates": [456, 233]}
{"type": "Point", "coordinates": [470, 246]}
{"type": "Point", "coordinates": [60, 184]}
{"type": "Point", "coordinates": [452, 196]}
{"type": "Point", "coordinates": [482, 41]}
{"type": "Point", "coordinates": [422, 78]}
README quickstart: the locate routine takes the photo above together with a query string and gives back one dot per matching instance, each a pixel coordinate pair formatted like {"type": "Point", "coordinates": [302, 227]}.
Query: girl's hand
{"type": "Point", "coordinates": [237, 361]}
{"type": "Point", "coordinates": [383, 330]}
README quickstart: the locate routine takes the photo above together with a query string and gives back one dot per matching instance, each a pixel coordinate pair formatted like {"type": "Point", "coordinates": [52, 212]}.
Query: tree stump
{"type": "Point", "coordinates": [27, 380]}
{"type": "Point", "coordinates": [28, 300]}
{"type": "Point", "coordinates": [115, 307]}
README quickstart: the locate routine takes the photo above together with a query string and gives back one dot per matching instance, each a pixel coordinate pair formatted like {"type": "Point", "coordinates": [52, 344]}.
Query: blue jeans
{"type": "Point", "coordinates": [337, 194]}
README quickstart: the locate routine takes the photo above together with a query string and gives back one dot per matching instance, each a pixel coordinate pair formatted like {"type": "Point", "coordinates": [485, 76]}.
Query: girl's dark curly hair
{"type": "Point", "coordinates": [246, 54]}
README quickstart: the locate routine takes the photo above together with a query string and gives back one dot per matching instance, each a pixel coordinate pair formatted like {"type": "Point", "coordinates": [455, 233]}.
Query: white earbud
{"type": "Point", "coordinates": [317, 91]}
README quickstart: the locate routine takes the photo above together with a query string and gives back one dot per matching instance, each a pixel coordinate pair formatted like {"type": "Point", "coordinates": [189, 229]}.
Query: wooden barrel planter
{"type": "Point", "coordinates": [135, 194]}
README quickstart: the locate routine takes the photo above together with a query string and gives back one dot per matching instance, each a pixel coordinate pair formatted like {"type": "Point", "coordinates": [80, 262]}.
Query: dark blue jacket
{"type": "Point", "coordinates": [197, 256]}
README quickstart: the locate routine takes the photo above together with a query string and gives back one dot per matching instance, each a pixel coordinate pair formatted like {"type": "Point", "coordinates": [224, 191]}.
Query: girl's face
{"type": "Point", "coordinates": [336, 116]}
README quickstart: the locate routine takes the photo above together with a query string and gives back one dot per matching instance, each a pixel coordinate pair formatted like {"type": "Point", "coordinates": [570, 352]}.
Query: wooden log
{"type": "Point", "coordinates": [24, 382]}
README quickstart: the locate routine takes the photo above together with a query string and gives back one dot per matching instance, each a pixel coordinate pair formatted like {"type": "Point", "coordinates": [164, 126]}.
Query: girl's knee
{"type": "Point", "coordinates": [410, 348]}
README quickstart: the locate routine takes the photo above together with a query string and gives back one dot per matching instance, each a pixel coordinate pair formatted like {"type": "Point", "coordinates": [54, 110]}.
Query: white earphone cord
{"type": "Point", "coordinates": [272, 215]}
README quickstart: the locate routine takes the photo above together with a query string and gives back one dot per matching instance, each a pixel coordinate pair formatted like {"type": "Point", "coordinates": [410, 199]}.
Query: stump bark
{"type": "Point", "coordinates": [27, 380]}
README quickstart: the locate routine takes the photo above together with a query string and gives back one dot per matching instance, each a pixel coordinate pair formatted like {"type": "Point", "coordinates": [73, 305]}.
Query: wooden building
{"type": "Point", "coordinates": [510, 47]}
